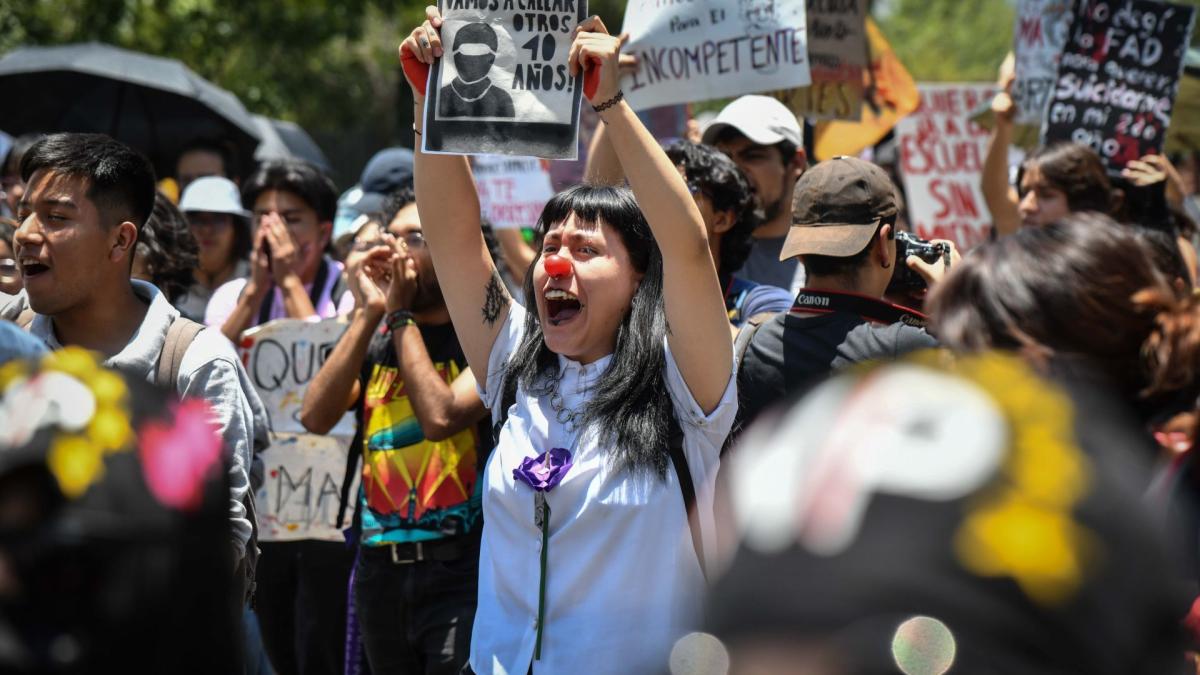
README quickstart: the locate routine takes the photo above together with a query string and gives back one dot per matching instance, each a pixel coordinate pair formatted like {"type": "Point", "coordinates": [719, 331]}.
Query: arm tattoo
{"type": "Point", "coordinates": [495, 299]}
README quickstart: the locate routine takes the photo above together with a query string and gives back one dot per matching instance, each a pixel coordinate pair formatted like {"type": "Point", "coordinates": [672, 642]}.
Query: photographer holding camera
{"type": "Point", "coordinates": [843, 228]}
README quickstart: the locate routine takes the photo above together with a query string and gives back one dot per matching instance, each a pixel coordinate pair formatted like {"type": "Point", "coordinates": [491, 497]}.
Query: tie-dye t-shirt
{"type": "Point", "coordinates": [414, 489]}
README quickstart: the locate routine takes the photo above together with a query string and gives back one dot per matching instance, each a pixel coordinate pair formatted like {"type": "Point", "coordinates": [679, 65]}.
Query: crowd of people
{"type": "Point", "coordinates": [697, 425]}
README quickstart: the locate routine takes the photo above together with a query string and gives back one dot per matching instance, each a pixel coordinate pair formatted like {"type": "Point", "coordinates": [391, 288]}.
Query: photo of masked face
{"type": "Point", "coordinates": [472, 93]}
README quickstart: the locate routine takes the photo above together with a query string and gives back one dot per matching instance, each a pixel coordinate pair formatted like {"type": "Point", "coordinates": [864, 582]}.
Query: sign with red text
{"type": "Point", "coordinates": [705, 49]}
{"type": "Point", "coordinates": [837, 56]}
{"type": "Point", "coordinates": [1118, 77]}
{"type": "Point", "coordinates": [512, 190]}
{"type": "Point", "coordinates": [941, 155]}
{"type": "Point", "coordinates": [299, 498]}
{"type": "Point", "coordinates": [1038, 38]}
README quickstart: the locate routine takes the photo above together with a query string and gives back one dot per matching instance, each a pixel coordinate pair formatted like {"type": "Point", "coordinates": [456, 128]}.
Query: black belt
{"type": "Point", "coordinates": [443, 550]}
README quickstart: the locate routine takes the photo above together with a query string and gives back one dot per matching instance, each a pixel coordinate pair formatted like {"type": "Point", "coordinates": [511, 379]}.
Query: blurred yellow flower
{"type": "Point", "coordinates": [75, 463]}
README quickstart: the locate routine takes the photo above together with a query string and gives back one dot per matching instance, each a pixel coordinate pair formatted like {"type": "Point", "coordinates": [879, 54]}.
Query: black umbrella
{"type": "Point", "coordinates": [156, 105]}
{"type": "Point", "coordinates": [287, 140]}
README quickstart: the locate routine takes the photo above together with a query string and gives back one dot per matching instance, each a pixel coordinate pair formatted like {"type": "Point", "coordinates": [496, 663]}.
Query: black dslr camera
{"type": "Point", "coordinates": [907, 243]}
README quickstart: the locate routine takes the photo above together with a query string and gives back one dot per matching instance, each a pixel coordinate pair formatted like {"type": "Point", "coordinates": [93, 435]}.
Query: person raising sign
{"type": "Point", "coordinates": [608, 423]}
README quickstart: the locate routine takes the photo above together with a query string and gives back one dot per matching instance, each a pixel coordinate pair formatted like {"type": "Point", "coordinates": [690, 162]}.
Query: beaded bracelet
{"type": "Point", "coordinates": [610, 102]}
{"type": "Point", "coordinates": [398, 318]}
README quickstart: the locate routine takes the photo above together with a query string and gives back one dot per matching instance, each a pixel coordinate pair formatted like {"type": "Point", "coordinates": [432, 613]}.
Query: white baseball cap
{"type": "Point", "coordinates": [762, 119]}
{"type": "Point", "coordinates": [213, 194]}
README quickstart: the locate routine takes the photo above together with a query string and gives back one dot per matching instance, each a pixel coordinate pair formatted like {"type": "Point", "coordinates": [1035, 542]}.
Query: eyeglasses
{"type": "Point", "coordinates": [411, 240]}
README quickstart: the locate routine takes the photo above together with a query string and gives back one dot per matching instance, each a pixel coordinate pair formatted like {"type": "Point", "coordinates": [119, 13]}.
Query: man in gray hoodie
{"type": "Point", "coordinates": [87, 199]}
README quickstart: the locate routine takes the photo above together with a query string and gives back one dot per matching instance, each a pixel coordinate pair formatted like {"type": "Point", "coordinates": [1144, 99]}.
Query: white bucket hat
{"type": "Point", "coordinates": [213, 194]}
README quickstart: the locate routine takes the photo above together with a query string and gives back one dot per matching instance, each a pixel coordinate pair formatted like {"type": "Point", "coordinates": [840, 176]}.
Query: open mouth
{"type": "Point", "coordinates": [561, 306]}
{"type": "Point", "coordinates": [30, 267]}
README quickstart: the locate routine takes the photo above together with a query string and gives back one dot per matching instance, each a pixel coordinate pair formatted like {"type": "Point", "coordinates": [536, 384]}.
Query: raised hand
{"type": "Point", "coordinates": [597, 54]}
{"type": "Point", "coordinates": [403, 287]}
{"type": "Point", "coordinates": [419, 50]}
{"type": "Point", "coordinates": [284, 254]}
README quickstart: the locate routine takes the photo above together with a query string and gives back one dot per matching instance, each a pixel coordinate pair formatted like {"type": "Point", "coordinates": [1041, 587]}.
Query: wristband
{"type": "Point", "coordinates": [610, 102]}
{"type": "Point", "coordinates": [398, 319]}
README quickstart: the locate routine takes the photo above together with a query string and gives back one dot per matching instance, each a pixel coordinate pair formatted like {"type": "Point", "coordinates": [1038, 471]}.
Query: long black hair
{"type": "Point", "coordinates": [630, 410]}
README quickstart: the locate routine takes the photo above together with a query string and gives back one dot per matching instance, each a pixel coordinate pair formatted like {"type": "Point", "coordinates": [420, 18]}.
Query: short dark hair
{"type": "Point", "coordinates": [473, 33]}
{"type": "Point", "coordinates": [396, 200]}
{"type": "Point", "coordinates": [120, 179]}
{"type": "Point", "coordinates": [1163, 245]}
{"type": "Point", "coordinates": [829, 266]}
{"type": "Point", "coordinates": [221, 148]}
{"type": "Point", "coordinates": [298, 177]}
{"type": "Point", "coordinates": [786, 149]}
{"type": "Point", "coordinates": [715, 175]}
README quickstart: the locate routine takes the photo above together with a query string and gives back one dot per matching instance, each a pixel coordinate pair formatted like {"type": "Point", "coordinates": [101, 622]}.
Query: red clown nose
{"type": "Point", "coordinates": [556, 266]}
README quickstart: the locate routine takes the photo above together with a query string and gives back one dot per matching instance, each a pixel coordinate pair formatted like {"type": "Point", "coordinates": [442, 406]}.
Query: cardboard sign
{"type": "Point", "coordinates": [941, 155]}
{"type": "Point", "coordinates": [503, 86]}
{"type": "Point", "coordinates": [299, 499]}
{"type": "Point", "coordinates": [706, 49]}
{"type": "Point", "coordinates": [304, 471]}
{"type": "Point", "coordinates": [837, 55]}
{"type": "Point", "coordinates": [1038, 38]}
{"type": "Point", "coordinates": [512, 190]}
{"type": "Point", "coordinates": [1118, 78]}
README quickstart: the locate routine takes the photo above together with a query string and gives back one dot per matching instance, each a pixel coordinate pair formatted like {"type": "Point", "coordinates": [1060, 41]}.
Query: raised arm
{"type": "Point", "coordinates": [997, 189]}
{"type": "Point", "coordinates": [449, 209]}
{"type": "Point", "coordinates": [699, 326]}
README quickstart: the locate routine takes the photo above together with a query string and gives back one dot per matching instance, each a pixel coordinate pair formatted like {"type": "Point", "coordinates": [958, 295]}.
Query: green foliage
{"type": "Point", "coordinates": [949, 40]}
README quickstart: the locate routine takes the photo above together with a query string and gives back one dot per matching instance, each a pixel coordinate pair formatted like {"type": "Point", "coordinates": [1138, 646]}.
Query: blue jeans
{"type": "Point", "coordinates": [416, 617]}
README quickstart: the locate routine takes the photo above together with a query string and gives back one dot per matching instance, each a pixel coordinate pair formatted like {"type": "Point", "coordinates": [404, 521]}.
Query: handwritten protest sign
{"type": "Point", "coordinates": [503, 86]}
{"type": "Point", "coordinates": [512, 190]}
{"type": "Point", "coordinates": [705, 49]}
{"type": "Point", "coordinates": [941, 158]}
{"type": "Point", "coordinates": [1038, 38]}
{"type": "Point", "coordinates": [1118, 77]}
{"type": "Point", "coordinates": [299, 499]}
{"type": "Point", "coordinates": [837, 55]}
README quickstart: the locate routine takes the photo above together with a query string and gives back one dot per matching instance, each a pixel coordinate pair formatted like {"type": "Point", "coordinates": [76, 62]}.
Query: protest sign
{"type": "Point", "coordinates": [503, 86]}
{"type": "Point", "coordinates": [706, 49]}
{"type": "Point", "coordinates": [1118, 77]}
{"type": "Point", "coordinates": [891, 96]}
{"type": "Point", "coordinates": [837, 56]}
{"type": "Point", "coordinates": [299, 499]}
{"type": "Point", "coordinates": [1038, 38]}
{"type": "Point", "coordinates": [512, 190]}
{"type": "Point", "coordinates": [941, 155]}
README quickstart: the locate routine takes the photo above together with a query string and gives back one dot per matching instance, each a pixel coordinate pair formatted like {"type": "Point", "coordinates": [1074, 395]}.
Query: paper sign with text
{"type": "Point", "coordinates": [512, 190]}
{"type": "Point", "coordinates": [837, 55]}
{"type": "Point", "coordinates": [1118, 77]}
{"type": "Point", "coordinates": [941, 155]}
{"type": "Point", "coordinates": [705, 49]}
{"type": "Point", "coordinates": [299, 499]}
{"type": "Point", "coordinates": [1038, 38]}
{"type": "Point", "coordinates": [503, 86]}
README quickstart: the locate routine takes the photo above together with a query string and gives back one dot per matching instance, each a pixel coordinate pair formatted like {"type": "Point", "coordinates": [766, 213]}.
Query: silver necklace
{"type": "Point", "coordinates": [568, 417]}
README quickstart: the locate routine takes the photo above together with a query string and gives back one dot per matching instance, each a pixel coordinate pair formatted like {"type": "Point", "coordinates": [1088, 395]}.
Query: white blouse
{"type": "Point", "coordinates": [623, 580]}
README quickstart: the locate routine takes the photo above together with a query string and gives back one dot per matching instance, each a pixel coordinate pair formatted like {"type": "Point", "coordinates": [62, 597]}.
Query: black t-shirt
{"type": "Point", "coordinates": [790, 354]}
{"type": "Point", "coordinates": [414, 489]}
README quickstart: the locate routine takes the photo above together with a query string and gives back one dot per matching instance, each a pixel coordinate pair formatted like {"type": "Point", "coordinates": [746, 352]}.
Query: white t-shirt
{"type": "Point", "coordinates": [623, 580]}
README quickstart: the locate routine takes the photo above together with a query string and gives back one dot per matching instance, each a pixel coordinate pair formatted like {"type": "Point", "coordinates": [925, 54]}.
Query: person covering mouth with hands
{"type": "Point", "coordinates": [608, 424]}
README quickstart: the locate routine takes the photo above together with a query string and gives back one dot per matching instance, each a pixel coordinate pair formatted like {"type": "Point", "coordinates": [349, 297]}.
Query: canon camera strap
{"type": "Point", "coordinates": [816, 301]}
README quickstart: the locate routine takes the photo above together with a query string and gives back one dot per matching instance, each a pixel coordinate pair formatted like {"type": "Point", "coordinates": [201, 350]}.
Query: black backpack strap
{"type": "Point", "coordinates": [687, 488]}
